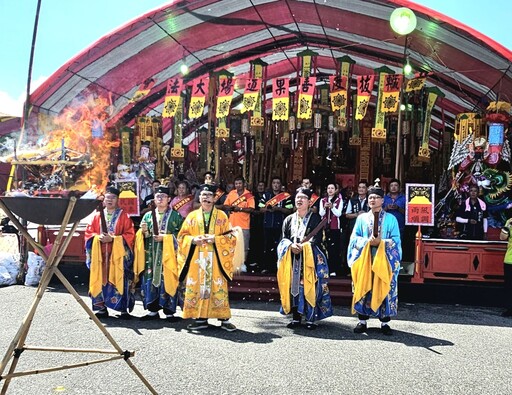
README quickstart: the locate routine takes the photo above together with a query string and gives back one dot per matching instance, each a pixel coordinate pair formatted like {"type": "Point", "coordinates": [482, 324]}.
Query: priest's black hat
{"type": "Point", "coordinates": [163, 189]}
{"type": "Point", "coordinates": [305, 191]}
{"type": "Point", "coordinates": [113, 190]}
{"type": "Point", "coordinates": [208, 188]}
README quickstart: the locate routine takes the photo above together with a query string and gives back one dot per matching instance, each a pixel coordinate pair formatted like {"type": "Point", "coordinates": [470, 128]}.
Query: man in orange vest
{"type": "Point", "coordinates": [240, 203]}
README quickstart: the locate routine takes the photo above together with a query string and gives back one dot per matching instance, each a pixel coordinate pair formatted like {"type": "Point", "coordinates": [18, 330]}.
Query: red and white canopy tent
{"type": "Point", "coordinates": [468, 67]}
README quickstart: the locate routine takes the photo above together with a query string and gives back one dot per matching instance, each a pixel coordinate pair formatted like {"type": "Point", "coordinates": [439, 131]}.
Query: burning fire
{"type": "Point", "coordinates": [76, 154]}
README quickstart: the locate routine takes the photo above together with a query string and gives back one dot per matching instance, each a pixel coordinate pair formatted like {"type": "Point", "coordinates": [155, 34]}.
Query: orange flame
{"type": "Point", "coordinates": [82, 131]}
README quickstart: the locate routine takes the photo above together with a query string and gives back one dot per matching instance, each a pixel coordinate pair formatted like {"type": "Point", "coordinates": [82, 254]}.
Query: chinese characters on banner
{"type": "Point", "coordinates": [172, 97]}
{"type": "Point", "coordinates": [251, 94]}
{"type": "Point", "coordinates": [280, 99]}
{"type": "Point", "coordinates": [226, 89]}
{"type": "Point", "coordinates": [419, 207]}
{"type": "Point", "coordinates": [199, 89]}
{"type": "Point", "coordinates": [364, 93]}
{"type": "Point", "coordinates": [129, 197]}
{"type": "Point", "coordinates": [391, 92]}
{"type": "Point", "coordinates": [306, 91]}
{"type": "Point", "coordinates": [338, 89]}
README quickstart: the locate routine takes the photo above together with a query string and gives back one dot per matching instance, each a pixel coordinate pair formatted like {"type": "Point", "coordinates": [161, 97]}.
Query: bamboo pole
{"type": "Point", "coordinates": [84, 350]}
{"type": "Point", "coordinates": [21, 335]}
{"type": "Point", "coordinates": [98, 323]}
{"type": "Point", "coordinates": [53, 260]}
{"type": "Point", "coordinates": [62, 367]}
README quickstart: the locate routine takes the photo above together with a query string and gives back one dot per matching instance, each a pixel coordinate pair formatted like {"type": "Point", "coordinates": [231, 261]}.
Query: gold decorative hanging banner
{"type": "Point", "coordinates": [257, 121]}
{"type": "Point", "coordinates": [280, 99]}
{"type": "Point", "coordinates": [337, 84]}
{"type": "Point", "coordinates": [251, 94]}
{"type": "Point", "coordinates": [126, 156]}
{"type": "Point", "coordinates": [306, 92]}
{"type": "Point", "coordinates": [177, 151]}
{"type": "Point", "coordinates": [379, 130]}
{"type": "Point", "coordinates": [466, 123]}
{"type": "Point", "coordinates": [226, 89]}
{"type": "Point", "coordinates": [143, 90]}
{"type": "Point", "coordinates": [365, 152]}
{"type": "Point", "coordinates": [197, 99]}
{"type": "Point", "coordinates": [364, 93]}
{"type": "Point", "coordinates": [415, 84]}
{"type": "Point", "coordinates": [355, 139]}
{"type": "Point", "coordinates": [424, 151]}
{"type": "Point", "coordinates": [222, 131]}
{"type": "Point", "coordinates": [346, 63]}
{"type": "Point", "coordinates": [172, 97]}
{"type": "Point", "coordinates": [391, 92]}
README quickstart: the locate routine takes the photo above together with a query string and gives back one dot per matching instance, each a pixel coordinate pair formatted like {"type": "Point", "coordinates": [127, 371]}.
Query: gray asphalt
{"type": "Point", "coordinates": [436, 349]}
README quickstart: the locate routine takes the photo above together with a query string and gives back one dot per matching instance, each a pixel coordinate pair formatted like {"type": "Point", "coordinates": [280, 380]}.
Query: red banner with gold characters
{"type": "Point", "coordinates": [251, 94]}
{"type": "Point", "coordinates": [338, 90]}
{"type": "Point", "coordinates": [364, 93]}
{"type": "Point", "coordinates": [226, 89]}
{"type": "Point", "coordinates": [197, 99]}
{"type": "Point", "coordinates": [419, 204]}
{"type": "Point", "coordinates": [172, 97]}
{"type": "Point", "coordinates": [306, 92]}
{"type": "Point", "coordinates": [391, 92]}
{"type": "Point", "coordinates": [280, 99]}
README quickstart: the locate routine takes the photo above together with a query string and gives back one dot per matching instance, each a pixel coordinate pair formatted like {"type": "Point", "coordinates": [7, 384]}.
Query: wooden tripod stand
{"type": "Point", "coordinates": [18, 346]}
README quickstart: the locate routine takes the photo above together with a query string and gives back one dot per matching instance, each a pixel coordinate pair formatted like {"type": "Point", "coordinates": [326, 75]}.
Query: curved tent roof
{"type": "Point", "coordinates": [468, 67]}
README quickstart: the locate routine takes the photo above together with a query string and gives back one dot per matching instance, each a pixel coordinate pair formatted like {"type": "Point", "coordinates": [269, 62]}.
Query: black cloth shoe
{"type": "Point", "coordinates": [197, 325]}
{"type": "Point", "coordinates": [228, 326]}
{"type": "Point", "coordinates": [294, 324]}
{"type": "Point", "coordinates": [507, 313]}
{"type": "Point", "coordinates": [360, 328]}
{"type": "Point", "coordinates": [102, 314]}
{"type": "Point", "coordinates": [150, 317]}
{"type": "Point", "coordinates": [386, 330]}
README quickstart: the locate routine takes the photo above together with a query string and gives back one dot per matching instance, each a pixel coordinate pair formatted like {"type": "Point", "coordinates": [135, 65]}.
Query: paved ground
{"type": "Point", "coordinates": [436, 349]}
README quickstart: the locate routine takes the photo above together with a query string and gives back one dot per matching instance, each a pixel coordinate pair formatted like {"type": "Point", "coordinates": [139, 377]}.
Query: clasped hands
{"type": "Point", "coordinates": [106, 238]}
{"type": "Point", "coordinates": [145, 231]}
{"type": "Point", "coordinates": [375, 241]}
{"type": "Point", "coordinates": [203, 240]}
{"type": "Point", "coordinates": [296, 248]}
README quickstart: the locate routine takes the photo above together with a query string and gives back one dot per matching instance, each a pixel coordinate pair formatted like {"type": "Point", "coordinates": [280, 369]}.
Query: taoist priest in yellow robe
{"type": "Point", "coordinates": [206, 262]}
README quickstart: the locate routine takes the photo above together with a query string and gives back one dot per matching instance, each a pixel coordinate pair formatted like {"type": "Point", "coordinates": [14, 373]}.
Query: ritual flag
{"type": "Point", "coordinates": [172, 97]}
{"type": "Point", "coordinates": [306, 92]}
{"type": "Point", "coordinates": [345, 63]}
{"type": "Point", "coordinates": [197, 99]}
{"type": "Point", "coordinates": [251, 94]}
{"type": "Point", "coordinates": [424, 151]}
{"type": "Point", "coordinates": [364, 93]}
{"type": "Point", "coordinates": [338, 90]}
{"type": "Point", "coordinates": [143, 90]}
{"type": "Point", "coordinates": [280, 99]}
{"type": "Point", "coordinates": [418, 81]}
{"type": "Point", "coordinates": [226, 89]}
{"type": "Point", "coordinates": [391, 92]}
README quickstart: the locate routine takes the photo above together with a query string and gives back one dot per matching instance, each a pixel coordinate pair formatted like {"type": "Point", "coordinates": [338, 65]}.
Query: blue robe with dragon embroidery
{"type": "Point", "coordinates": [390, 234]}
